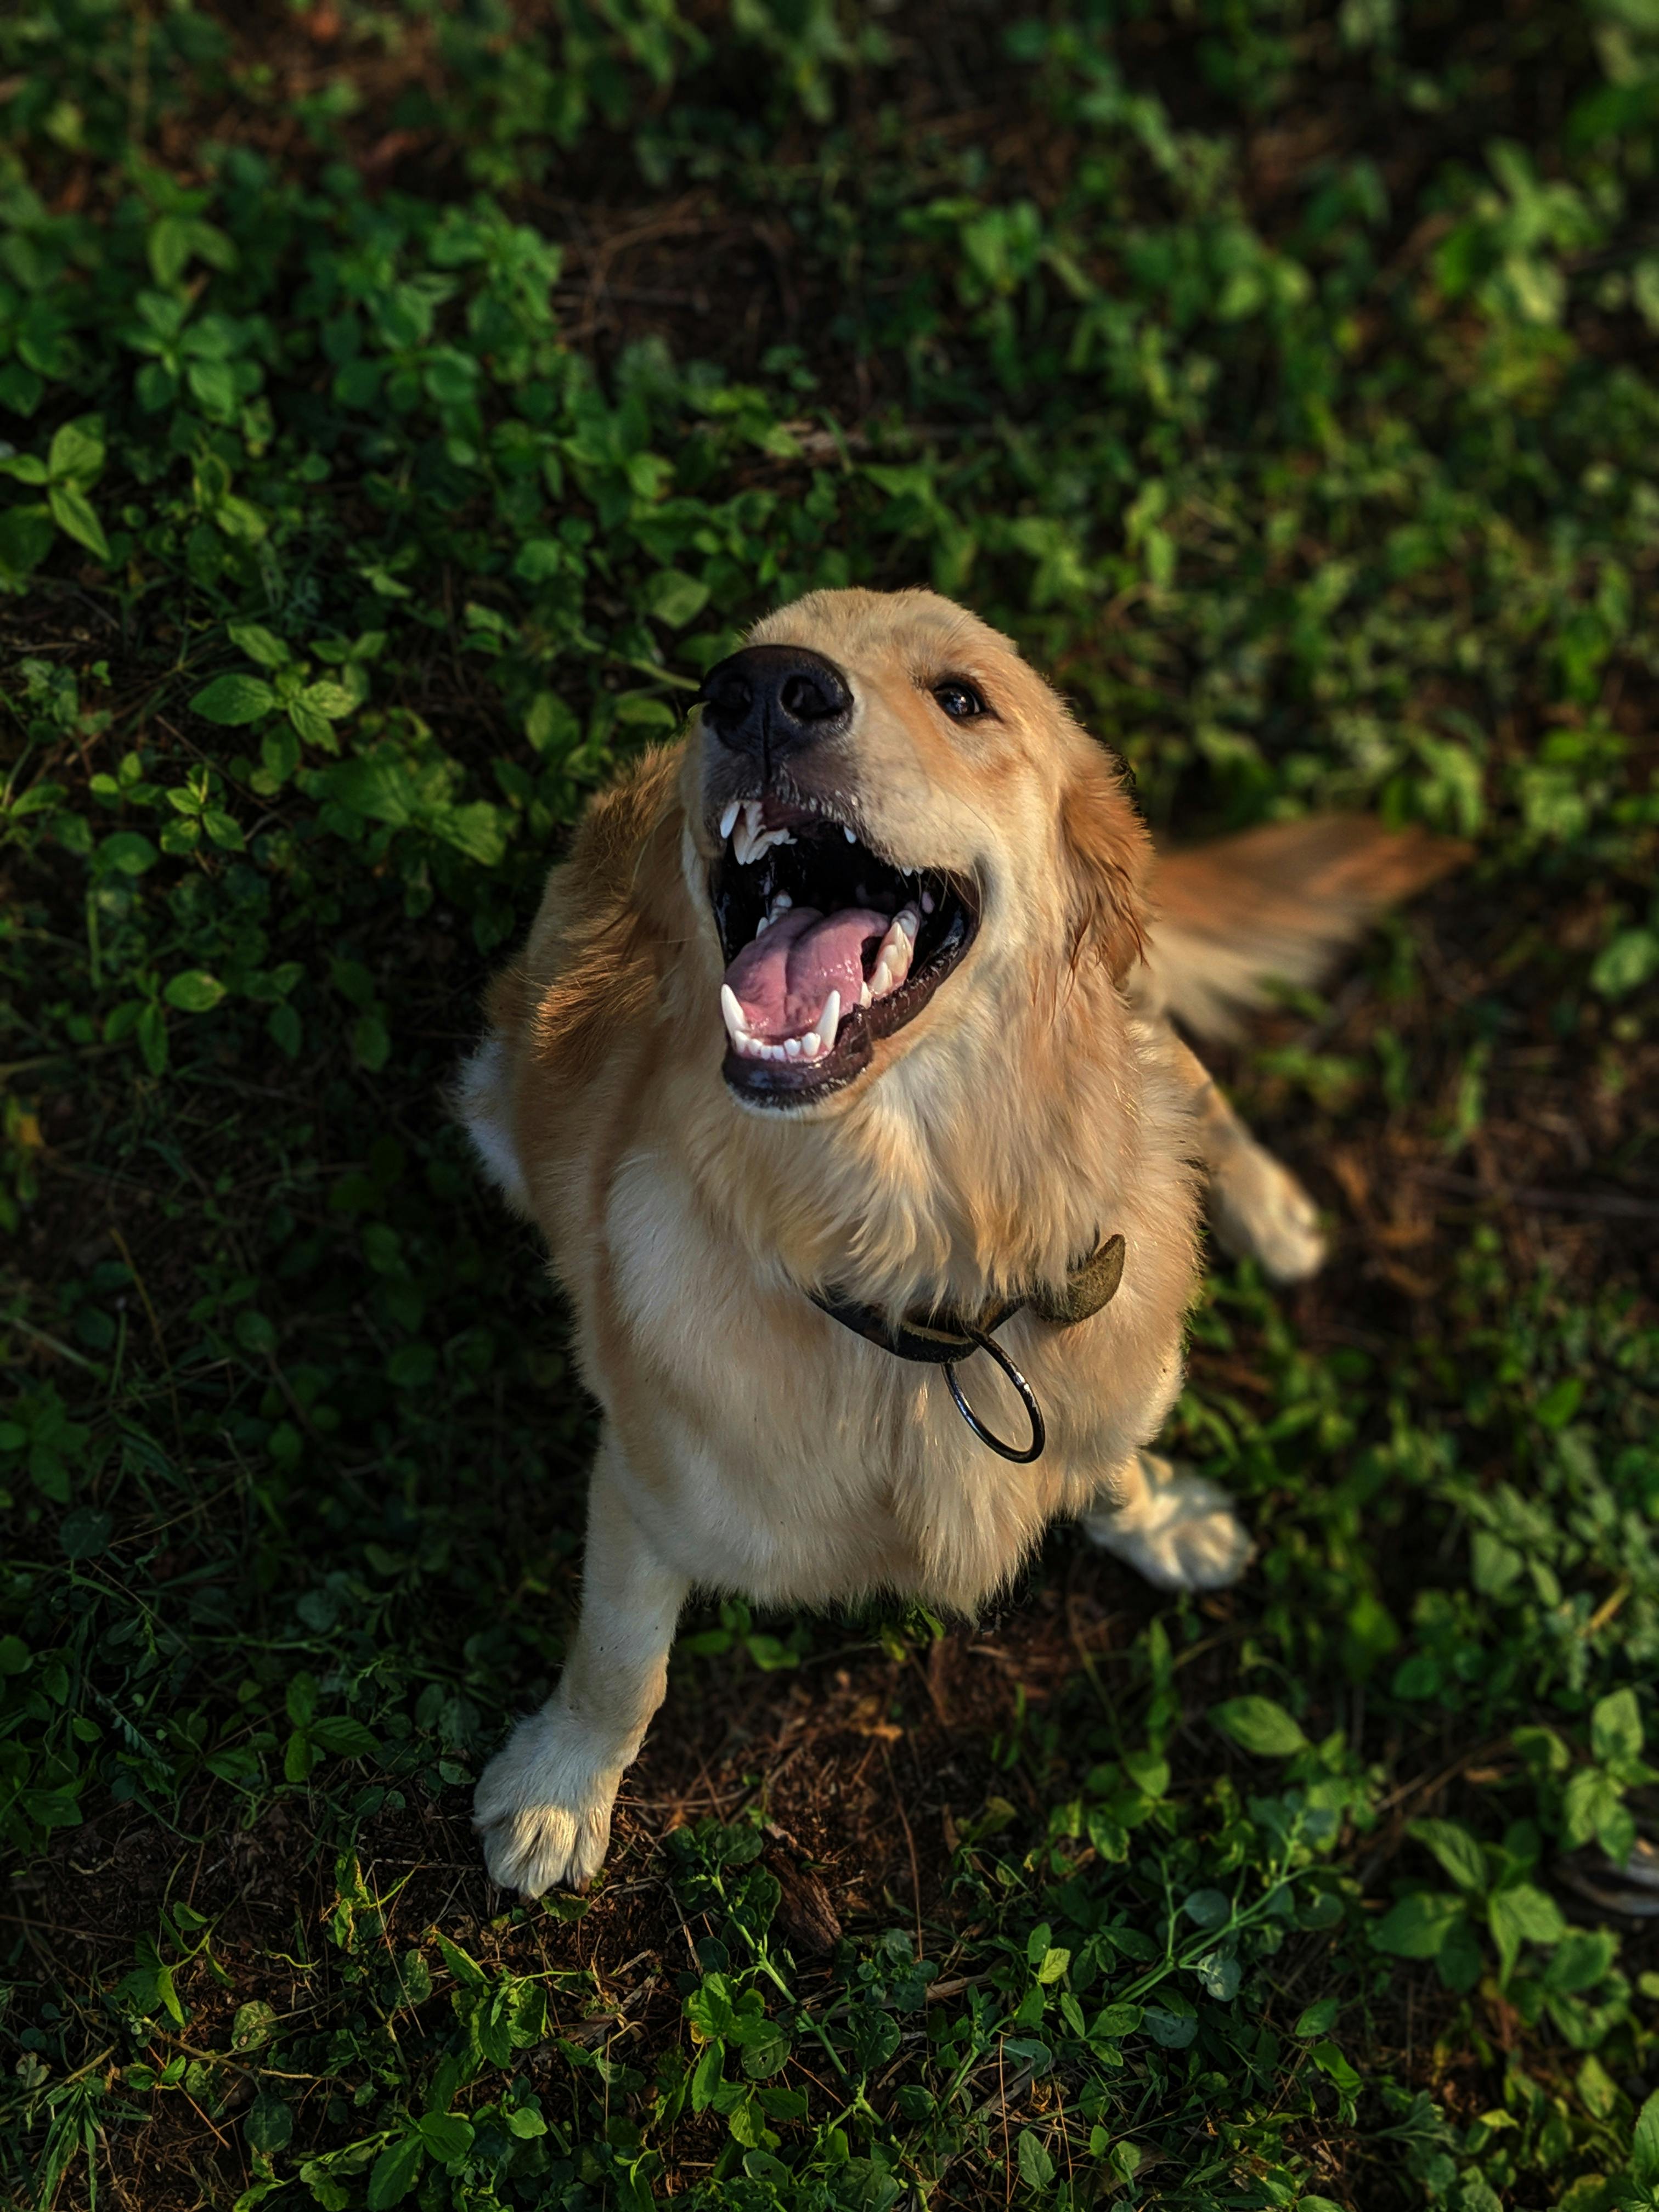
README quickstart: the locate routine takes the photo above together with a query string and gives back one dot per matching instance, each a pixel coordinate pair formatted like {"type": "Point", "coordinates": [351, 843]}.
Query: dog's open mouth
{"type": "Point", "coordinates": [828, 946]}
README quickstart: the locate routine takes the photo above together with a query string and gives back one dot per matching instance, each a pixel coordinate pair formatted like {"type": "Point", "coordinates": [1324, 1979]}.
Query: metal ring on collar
{"type": "Point", "coordinates": [1039, 1434]}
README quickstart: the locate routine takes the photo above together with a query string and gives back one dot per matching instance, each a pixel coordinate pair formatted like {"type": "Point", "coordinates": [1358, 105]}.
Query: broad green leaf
{"type": "Point", "coordinates": [345, 1737]}
{"type": "Point", "coordinates": [1645, 2144]}
{"type": "Point", "coordinates": [77, 456]}
{"type": "Point", "coordinates": [1221, 1975]}
{"type": "Point", "coordinates": [1595, 2086]}
{"type": "Point", "coordinates": [465, 1970]}
{"type": "Point", "coordinates": [446, 2135]}
{"type": "Point", "coordinates": [395, 2172]}
{"type": "Point", "coordinates": [1174, 2030]}
{"type": "Point", "coordinates": [1206, 1908]}
{"type": "Point", "coordinates": [72, 511]}
{"type": "Point", "coordinates": [1317, 2019]}
{"type": "Point", "coordinates": [1037, 2168]}
{"type": "Point", "coordinates": [709, 2008]}
{"type": "Point", "coordinates": [212, 387]}
{"type": "Point", "coordinates": [1456, 1850]}
{"type": "Point", "coordinates": [233, 699]}
{"type": "Point", "coordinates": [706, 2077]}
{"type": "Point", "coordinates": [674, 599]}
{"type": "Point", "coordinates": [269, 2125]}
{"type": "Point", "coordinates": [333, 702]}
{"type": "Point", "coordinates": [151, 1030]}
{"type": "Point", "coordinates": [371, 1043]}
{"type": "Point", "coordinates": [258, 643]}
{"type": "Point", "coordinates": [312, 727]}
{"type": "Point", "coordinates": [1522, 1914]}
{"type": "Point", "coordinates": [1626, 962]}
{"type": "Point", "coordinates": [195, 992]}
{"type": "Point", "coordinates": [1259, 1725]}
{"type": "Point", "coordinates": [1591, 1799]}
{"type": "Point", "coordinates": [1616, 1729]}
{"type": "Point", "coordinates": [1327, 2057]}
{"type": "Point", "coordinates": [1418, 1925]}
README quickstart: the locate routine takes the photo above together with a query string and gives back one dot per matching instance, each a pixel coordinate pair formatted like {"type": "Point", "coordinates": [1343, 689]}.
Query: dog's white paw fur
{"type": "Point", "coordinates": [1260, 1212]}
{"type": "Point", "coordinates": [542, 1806]}
{"type": "Point", "coordinates": [1179, 1531]}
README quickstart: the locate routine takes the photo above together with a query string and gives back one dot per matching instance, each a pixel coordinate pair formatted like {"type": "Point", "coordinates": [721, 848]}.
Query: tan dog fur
{"type": "Point", "coordinates": [1040, 1101]}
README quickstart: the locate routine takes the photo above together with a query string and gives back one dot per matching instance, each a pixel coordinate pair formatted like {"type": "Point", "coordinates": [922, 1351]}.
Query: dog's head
{"type": "Point", "coordinates": [901, 839]}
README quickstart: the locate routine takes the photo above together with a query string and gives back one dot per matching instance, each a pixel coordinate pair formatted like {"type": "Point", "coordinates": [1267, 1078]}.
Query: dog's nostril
{"type": "Point", "coordinates": [806, 699]}
{"type": "Point", "coordinates": [733, 697]}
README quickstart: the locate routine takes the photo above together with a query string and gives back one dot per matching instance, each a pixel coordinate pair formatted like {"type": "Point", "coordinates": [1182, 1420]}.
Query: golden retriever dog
{"type": "Point", "coordinates": [838, 1073]}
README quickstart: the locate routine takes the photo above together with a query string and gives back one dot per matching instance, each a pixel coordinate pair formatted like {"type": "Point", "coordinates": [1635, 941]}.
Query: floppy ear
{"type": "Point", "coordinates": [1108, 855]}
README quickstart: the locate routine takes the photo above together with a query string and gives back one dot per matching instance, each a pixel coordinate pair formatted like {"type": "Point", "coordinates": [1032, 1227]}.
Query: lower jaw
{"type": "Point", "coordinates": [779, 1086]}
{"type": "Point", "coordinates": [785, 1086]}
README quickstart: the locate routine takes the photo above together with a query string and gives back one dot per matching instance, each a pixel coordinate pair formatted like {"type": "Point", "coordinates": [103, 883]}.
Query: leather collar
{"type": "Point", "coordinates": [943, 1336]}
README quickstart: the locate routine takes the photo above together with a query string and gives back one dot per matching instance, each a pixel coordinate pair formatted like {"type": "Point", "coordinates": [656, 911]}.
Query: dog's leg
{"type": "Point", "coordinates": [543, 1802]}
{"type": "Point", "coordinates": [1178, 1530]}
{"type": "Point", "coordinates": [1257, 1209]}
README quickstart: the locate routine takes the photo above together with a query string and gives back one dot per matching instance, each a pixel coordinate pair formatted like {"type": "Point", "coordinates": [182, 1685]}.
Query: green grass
{"type": "Point", "coordinates": [406, 403]}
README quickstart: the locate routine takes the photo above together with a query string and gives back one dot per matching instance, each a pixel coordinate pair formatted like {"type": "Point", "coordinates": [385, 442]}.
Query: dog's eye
{"type": "Point", "coordinates": [958, 699]}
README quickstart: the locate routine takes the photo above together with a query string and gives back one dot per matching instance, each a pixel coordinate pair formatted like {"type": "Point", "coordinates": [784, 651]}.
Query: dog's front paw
{"type": "Point", "coordinates": [1260, 1212]}
{"type": "Point", "coordinates": [543, 1807]}
{"type": "Point", "coordinates": [1181, 1532]}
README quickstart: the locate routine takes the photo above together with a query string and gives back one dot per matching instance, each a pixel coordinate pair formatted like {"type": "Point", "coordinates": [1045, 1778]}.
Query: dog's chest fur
{"type": "Point", "coordinates": [774, 1452]}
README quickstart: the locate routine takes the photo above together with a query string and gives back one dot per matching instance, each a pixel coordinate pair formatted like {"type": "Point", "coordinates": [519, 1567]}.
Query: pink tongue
{"type": "Point", "coordinates": [783, 979]}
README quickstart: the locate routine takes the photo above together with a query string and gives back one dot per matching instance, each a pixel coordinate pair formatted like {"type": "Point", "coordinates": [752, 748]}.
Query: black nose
{"type": "Point", "coordinates": [774, 699]}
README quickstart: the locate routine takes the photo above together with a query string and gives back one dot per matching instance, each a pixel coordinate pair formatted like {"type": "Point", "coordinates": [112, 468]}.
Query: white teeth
{"type": "Point", "coordinates": [865, 994]}
{"type": "Point", "coordinates": [736, 1027]}
{"type": "Point", "coordinates": [850, 839]}
{"type": "Point", "coordinates": [795, 1046]}
{"type": "Point", "coordinates": [760, 926]}
{"type": "Point", "coordinates": [734, 807]}
{"type": "Point", "coordinates": [928, 902]}
{"type": "Point", "coordinates": [893, 954]}
{"type": "Point", "coordinates": [780, 904]}
{"type": "Point", "coordinates": [750, 838]}
{"type": "Point", "coordinates": [829, 1023]}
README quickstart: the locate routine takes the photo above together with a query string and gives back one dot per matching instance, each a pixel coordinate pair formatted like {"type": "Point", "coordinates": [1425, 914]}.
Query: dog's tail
{"type": "Point", "coordinates": [1281, 901]}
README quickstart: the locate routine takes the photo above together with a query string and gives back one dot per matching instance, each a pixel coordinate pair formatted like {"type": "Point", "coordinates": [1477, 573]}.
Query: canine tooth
{"type": "Point", "coordinates": [760, 926]}
{"type": "Point", "coordinates": [829, 1022]}
{"type": "Point", "coordinates": [865, 994]}
{"type": "Point", "coordinates": [850, 839]}
{"type": "Point", "coordinates": [731, 1008]}
{"type": "Point", "coordinates": [928, 902]}
{"type": "Point", "coordinates": [733, 808]}
{"type": "Point", "coordinates": [893, 955]}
